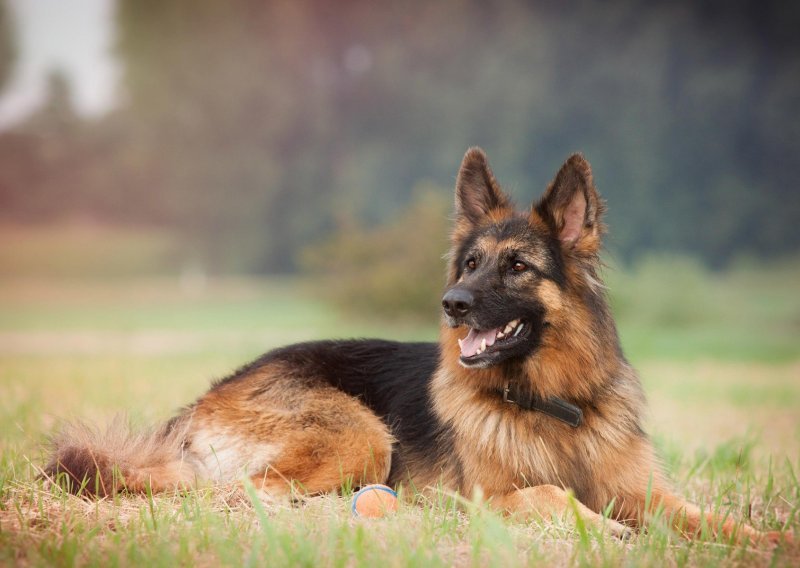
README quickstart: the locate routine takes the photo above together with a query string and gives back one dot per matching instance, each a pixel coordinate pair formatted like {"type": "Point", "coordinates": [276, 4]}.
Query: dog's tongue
{"type": "Point", "coordinates": [472, 342]}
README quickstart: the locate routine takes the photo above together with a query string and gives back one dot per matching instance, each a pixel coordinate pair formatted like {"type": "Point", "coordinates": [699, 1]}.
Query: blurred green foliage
{"type": "Point", "coordinates": [76, 252]}
{"type": "Point", "coordinates": [395, 270]}
{"type": "Point", "coordinates": [7, 47]}
{"type": "Point", "coordinates": [664, 290]}
{"type": "Point", "coordinates": [253, 128]}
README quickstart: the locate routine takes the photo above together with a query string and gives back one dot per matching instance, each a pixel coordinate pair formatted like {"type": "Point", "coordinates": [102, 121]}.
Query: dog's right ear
{"type": "Point", "coordinates": [478, 195]}
{"type": "Point", "coordinates": [572, 208]}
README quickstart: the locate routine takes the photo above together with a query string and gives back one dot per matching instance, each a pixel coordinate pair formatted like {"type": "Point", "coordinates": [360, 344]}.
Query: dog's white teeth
{"type": "Point", "coordinates": [510, 326]}
{"type": "Point", "coordinates": [500, 335]}
{"type": "Point", "coordinates": [460, 346]}
{"type": "Point", "coordinates": [519, 329]}
{"type": "Point", "coordinates": [483, 344]}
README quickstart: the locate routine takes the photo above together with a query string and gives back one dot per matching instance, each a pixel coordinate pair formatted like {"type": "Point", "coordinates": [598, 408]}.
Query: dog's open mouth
{"type": "Point", "coordinates": [479, 344]}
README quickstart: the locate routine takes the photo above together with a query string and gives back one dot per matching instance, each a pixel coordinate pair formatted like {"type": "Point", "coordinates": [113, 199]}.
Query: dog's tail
{"type": "Point", "coordinates": [92, 462]}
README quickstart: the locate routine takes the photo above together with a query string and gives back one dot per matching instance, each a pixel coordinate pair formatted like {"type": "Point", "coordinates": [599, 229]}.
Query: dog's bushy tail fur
{"type": "Point", "coordinates": [89, 461]}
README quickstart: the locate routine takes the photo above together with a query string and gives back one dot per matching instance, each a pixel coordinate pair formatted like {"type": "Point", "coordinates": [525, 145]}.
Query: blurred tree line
{"type": "Point", "coordinates": [6, 44]}
{"type": "Point", "coordinates": [254, 129]}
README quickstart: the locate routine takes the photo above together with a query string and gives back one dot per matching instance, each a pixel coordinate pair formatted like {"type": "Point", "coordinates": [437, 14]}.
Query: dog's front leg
{"type": "Point", "coordinates": [690, 521]}
{"type": "Point", "coordinates": [549, 501]}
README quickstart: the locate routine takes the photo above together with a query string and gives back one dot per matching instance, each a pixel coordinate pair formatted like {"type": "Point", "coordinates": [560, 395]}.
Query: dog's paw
{"type": "Point", "coordinates": [774, 538]}
{"type": "Point", "coordinates": [620, 531]}
{"type": "Point", "coordinates": [768, 539]}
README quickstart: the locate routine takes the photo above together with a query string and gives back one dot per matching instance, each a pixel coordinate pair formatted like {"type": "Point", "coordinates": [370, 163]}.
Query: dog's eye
{"type": "Point", "coordinates": [471, 264]}
{"type": "Point", "coordinates": [519, 266]}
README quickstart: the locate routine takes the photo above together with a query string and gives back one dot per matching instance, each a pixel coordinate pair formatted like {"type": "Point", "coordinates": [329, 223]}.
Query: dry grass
{"type": "Point", "coordinates": [706, 403]}
{"type": "Point", "coordinates": [224, 526]}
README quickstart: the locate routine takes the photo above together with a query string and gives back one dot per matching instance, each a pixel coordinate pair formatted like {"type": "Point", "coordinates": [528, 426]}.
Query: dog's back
{"type": "Point", "coordinates": [391, 379]}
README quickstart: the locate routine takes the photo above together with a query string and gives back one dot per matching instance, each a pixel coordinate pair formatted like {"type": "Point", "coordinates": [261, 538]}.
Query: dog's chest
{"type": "Point", "coordinates": [513, 447]}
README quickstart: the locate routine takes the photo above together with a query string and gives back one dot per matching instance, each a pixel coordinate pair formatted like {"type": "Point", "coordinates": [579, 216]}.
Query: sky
{"type": "Point", "coordinates": [74, 36]}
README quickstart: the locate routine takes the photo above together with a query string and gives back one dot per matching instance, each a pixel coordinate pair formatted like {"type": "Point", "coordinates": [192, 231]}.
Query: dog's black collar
{"type": "Point", "coordinates": [553, 406]}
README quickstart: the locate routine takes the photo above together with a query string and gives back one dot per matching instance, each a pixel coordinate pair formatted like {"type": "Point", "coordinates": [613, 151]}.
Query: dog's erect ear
{"type": "Point", "coordinates": [478, 194]}
{"type": "Point", "coordinates": [572, 208]}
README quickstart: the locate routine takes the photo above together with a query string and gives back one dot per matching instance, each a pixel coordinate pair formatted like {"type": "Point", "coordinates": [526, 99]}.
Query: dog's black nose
{"type": "Point", "coordinates": [458, 302]}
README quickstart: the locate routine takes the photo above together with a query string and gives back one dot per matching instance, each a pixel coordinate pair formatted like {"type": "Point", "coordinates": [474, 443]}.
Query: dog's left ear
{"type": "Point", "coordinates": [572, 208]}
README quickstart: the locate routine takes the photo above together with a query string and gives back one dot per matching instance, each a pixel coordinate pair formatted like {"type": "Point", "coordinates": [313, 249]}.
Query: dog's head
{"type": "Point", "coordinates": [513, 274]}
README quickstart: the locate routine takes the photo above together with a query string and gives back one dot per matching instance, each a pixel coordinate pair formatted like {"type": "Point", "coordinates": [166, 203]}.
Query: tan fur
{"type": "Point", "coordinates": [316, 438]}
{"type": "Point", "coordinates": [544, 502]}
{"type": "Point", "coordinates": [119, 457]}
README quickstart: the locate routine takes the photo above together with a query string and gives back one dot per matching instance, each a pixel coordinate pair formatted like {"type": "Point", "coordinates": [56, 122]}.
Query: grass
{"type": "Point", "coordinates": [220, 526]}
{"type": "Point", "coordinates": [723, 390]}
{"type": "Point", "coordinates": [674, 308]}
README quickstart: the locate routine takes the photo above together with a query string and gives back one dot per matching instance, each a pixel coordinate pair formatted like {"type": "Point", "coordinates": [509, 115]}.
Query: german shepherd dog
{"type": "Point", "coordinates": [526, 397]}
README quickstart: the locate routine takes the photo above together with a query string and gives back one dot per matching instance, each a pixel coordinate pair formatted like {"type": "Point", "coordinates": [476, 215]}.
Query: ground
{"type": "Point", "coordinates": [723, 396]}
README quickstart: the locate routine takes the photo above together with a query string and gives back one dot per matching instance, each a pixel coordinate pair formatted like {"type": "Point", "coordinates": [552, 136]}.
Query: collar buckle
{"type": "Point", "coordinates": [506, 390]}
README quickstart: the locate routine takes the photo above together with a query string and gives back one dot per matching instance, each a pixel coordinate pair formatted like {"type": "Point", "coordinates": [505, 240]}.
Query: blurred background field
{"type": "Point", "coordinates": [151, 335]}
